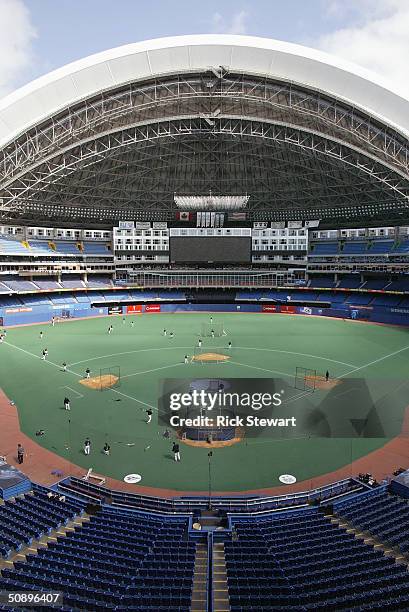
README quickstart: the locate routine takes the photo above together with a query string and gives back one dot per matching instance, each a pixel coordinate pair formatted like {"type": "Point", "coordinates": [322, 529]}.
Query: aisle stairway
{"type": "Point", "coordinates": [220, 589]}
{"type": "Point", "coordinates": [199, 592]}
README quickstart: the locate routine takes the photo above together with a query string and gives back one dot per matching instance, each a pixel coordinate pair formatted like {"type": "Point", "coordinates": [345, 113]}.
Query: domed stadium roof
{"type": "Point", "coordinates": [118, 134]}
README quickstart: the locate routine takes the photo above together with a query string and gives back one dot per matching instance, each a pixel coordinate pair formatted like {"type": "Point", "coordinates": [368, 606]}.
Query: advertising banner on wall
{"type": "Point", "coordinates": [134, 309]}
{"type": "Point", "coordinates": [23, 309]}
{"type": "Point", "coordinates": [152, 308]}
{"type": "Point", "coordinates": [115, 310]}
{"type": "Point", "coordinates": [270, 308]}
{"type": "Point", "coordinates": [287, 309]}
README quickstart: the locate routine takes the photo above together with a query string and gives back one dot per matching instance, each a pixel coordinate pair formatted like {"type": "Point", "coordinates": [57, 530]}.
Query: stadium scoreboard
{"type": "Point", "coordinates": [196, 245]}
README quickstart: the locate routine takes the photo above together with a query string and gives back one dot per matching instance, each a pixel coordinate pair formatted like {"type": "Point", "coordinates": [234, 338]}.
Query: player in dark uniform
{"type": "Point", "coordinates": [176, 451]}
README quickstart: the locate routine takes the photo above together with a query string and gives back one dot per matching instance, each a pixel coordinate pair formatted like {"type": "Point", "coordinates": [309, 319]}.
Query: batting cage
{"type": "Point", "coordinates": [305, 379]}
{"type": "Point", "coordinates": [110, 377]}
{"type": "Point", "coordinates": [212, 430]}
{"type": "Point", "coordinates": [106, 379]}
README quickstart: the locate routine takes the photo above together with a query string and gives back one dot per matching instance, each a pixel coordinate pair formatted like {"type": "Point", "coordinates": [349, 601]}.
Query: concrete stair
{"type": "Point", "coordinates": [370, 539]}
{"type": "Point", "coordinates": [221, 602]}
{"type": "Point", "coordinates": [43, 542]}
{"type": "Point", "coordinates": [199, 592]}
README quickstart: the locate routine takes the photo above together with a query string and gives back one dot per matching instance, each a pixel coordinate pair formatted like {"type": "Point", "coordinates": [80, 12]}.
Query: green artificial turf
{"type": "Point", "coordinates": [263, 346]}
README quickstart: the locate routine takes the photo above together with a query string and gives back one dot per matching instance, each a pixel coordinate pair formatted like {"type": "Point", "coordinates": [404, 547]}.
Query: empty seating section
{"type": "Point", "coordinates": [20, 284]}
{"type": "Point", "coordinates": [384, 515]}
{"type": "Point", "coordinates": [367, 247]}
{"type": "Point", "coordinates": [72, 282]}
{"type": "Point", "coordinates": [248, 295]}
{"type": "Point", "coordinates": [96, 248]}
{"type": "Point", "coordinates": [319, 289]}
{"type": "Point", "coordinates": [120, 296]}
{"type": "Point", "coordinates": [30, 517]}
{"type": "Point", "coordinates": [45, 283]}
{"type": "Point", "coordinates": [322, 281]}
{"type": "Point", "coordinates": [401, 247]}
{"type": "Point", "coordinates": [35, 300]}
{"type": "Point", "coordinates": [381, 246]}
{"type": "Point", "coordinates": [66, 247]}
{"type": "Point", "coordinates": [399, 285]}
{"type": "Point", "coordinates": [324, 248]}
{"type": "Point", "coordinates": [4, 288]}
{"type": "Point", "coordinates": [29, 247]}
{"type": "Point", "coordinates": [354, 247]}
{"type": "Point", "coordinates": [65, 298]}
{"type": "Point", "coordinates": [289, 560]}
{"type": "Point", "coordinates": [304, 295]}
{"type": "Point", "coordinates": [40, 247]}
{"type": "Point", "coordinates": [117, 560]}
{"type": "Point", "coordinates": [8, 246]}
{"type": "Point", "coordinates": [386, 300]}
{"type": "Point", "coordinates": [82, 298]}
{"type": "Point", "coordinates": [302, 561]}
{"type": "Point", "coordinates": [404, 303]}
{"type": "Point", "coordinates": [374, 283]}
{"type": "Point", "coordinates": [350, 282]}
{"type": "Point", "coordinates": [9, 301]}
{"type": "Point", "coordinates": [99, 281]}
{"type": "Point", "coordinates": [359, 299]}
{"type": "Point", "coordinates": [335, 298]}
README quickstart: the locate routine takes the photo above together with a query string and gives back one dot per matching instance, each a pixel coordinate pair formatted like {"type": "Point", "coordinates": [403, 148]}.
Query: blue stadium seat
{"type": "Point", "coordinates": [354, 247]}
{"type": "Point", "coordinates": [381, 247]}
{"type": "Point", "coordinates": [351, 281]}
{"type": "Point", "coordinates": [324, 248]}
{"type": "Point", "coordinates": [96, 248]}
{"type": "Point", "coordinates": [401, 247]}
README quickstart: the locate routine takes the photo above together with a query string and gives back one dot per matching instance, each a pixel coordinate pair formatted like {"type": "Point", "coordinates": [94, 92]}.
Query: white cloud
{"type": "Point", "coordinates": [16, 37]}
{"type": "Point", "coordinates": [235, 25]}
{"type": "Point", "coordinates": [378, 38]}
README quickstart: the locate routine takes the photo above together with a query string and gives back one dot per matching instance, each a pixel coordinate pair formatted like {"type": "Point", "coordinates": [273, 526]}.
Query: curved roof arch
{"type": "Point", "coordinates": [284, 61]}
{"type": "Point", "coordinates": [117, 134]}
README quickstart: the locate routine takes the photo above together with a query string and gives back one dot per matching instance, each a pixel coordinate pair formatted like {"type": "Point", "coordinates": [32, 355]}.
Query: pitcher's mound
{"type": "Point", "coordinates": [100, 382]}
{"type": "Point", "coordinates": [207, 357]}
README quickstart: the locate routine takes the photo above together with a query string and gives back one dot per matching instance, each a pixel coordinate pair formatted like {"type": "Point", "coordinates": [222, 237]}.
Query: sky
{"type": "Point", "coordinates": [37, 36]}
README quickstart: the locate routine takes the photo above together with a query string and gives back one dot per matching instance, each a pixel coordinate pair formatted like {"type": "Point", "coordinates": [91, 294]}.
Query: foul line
{"type": "Point", "coordinates": [56, 365]}
{"type": "Point", "coordinates": [246, 365]}
{"type": "Point", "coordinates": [355, 369]}
{"type": "Point", "coordinates": [375, 361]}
{"type": "Point", "coordinates": [172, 365]}
{"type": "Point", "coordinates": [240, 348]}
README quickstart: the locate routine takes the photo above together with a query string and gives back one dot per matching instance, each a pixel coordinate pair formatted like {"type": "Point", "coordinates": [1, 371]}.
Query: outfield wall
{"type": "Point", "coordinates": [25, 315]}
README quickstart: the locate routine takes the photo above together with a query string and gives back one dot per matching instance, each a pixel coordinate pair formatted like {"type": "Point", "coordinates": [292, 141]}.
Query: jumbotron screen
{"type": "Point", "coordinates": [210, 249]}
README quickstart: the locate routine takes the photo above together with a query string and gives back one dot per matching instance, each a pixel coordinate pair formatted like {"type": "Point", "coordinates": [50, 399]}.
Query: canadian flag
{"type": "Point", "coordinates": [183, 216]}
